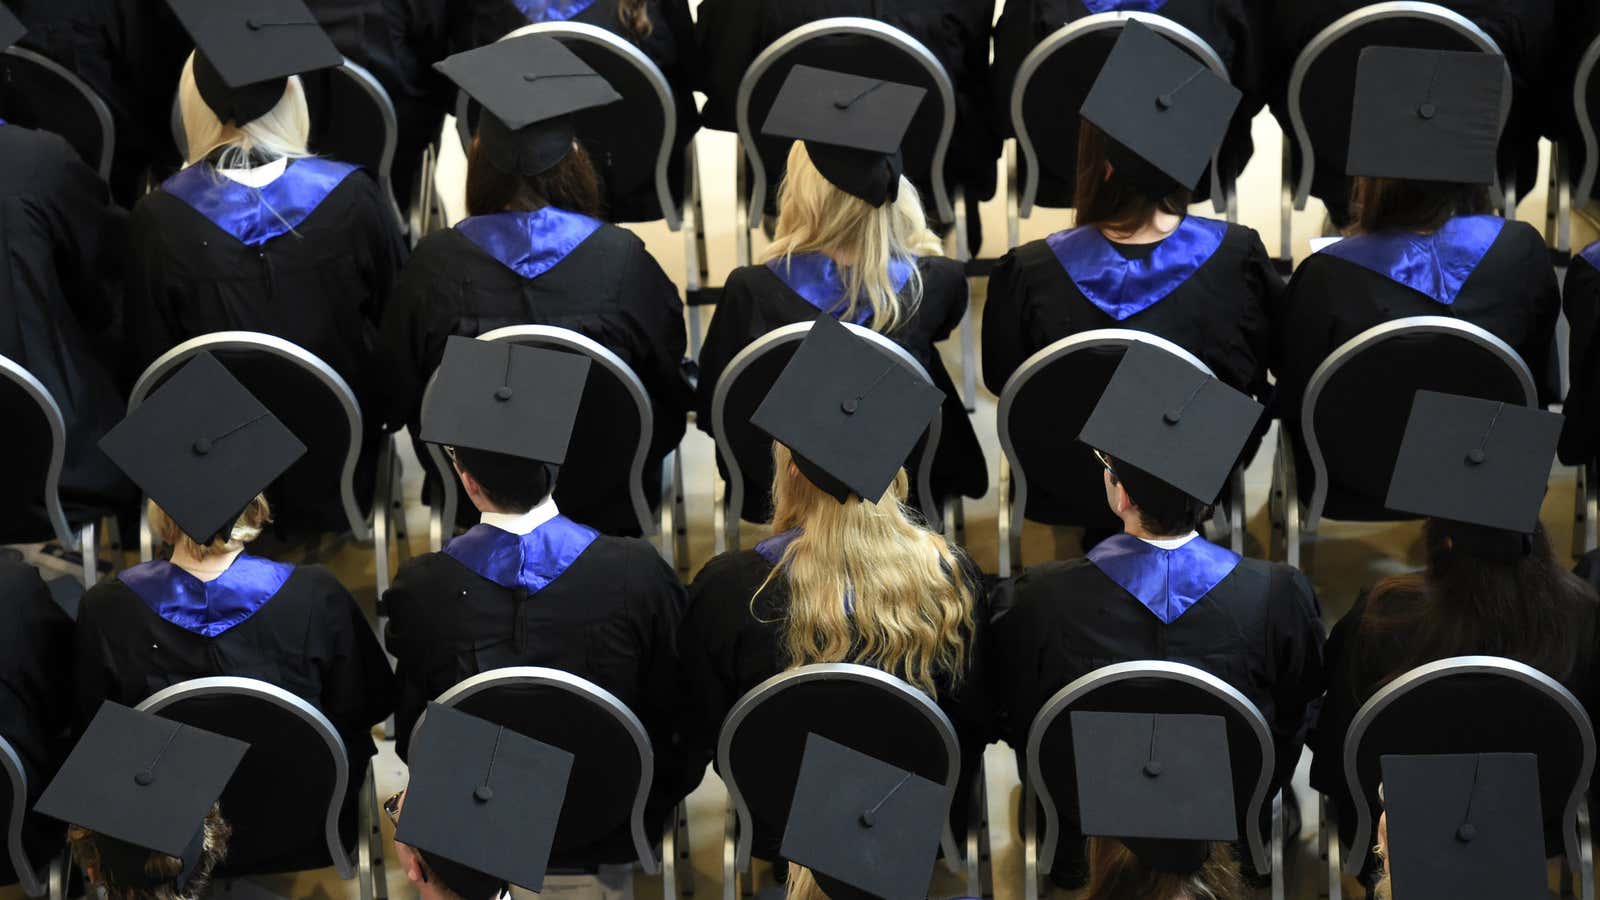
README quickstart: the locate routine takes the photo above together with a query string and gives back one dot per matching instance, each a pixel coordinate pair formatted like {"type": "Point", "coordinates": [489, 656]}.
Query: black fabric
{"type": "Point", "coordinates": [1580, 435]}
{"type": "Point", "coordinates": [33, 96]}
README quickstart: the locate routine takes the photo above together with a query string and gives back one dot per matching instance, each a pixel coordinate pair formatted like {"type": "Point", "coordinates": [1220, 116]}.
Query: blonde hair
{"type": "Point", "coordinates": [816, 217]}
{"type": "Point", "coordinates": [1115, 873]}
{"type": "Point", "coordinates": [86, 851]}
{"type": "Point", "coordinates": [911, 608]}
{"type": "Point", "coordinates": [802, 885]}
{"type": "Point", "coordinates": [245, 529]}
{"type": "Point", "coordinates": [283, 132]}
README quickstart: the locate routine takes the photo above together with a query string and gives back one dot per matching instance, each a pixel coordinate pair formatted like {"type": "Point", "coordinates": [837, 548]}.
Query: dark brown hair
{"type": "Point", "coordinates": [1164, 511]}
{"type": "Point", "coordinates": [1115, 202]}
{"type": "Point", "coordinates": [1380, 203]}
{"type": "Point", "coordinates": [509, 482]}
{"type": "Point", "coordinates": [1116, 874]}
{"type": "Point", "coordinates": [571, 185]}
{"type": "Point", "coordinates": [635, 17]}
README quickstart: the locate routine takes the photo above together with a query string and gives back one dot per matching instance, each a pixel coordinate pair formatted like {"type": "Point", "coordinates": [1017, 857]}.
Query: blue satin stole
{"type": "Point", "coordinates": [819, 282]}
{"type": "Point", "coordinates": [1434, 265]}
{"type": "Point", "coordinates": [257, 215]}
{"type": "Point", "coordinates": [529, 243]}
{"type": "Point", "coordinates": [1590, 254]}
{"type": "Point", "coordinates": [773, 548]}
{"type": "Point", "coordinates": [1167, 582]}
{"type": "Point", "coordinates": [1100, 6]}
{"type": "Point", "coordinates": [531, 561]}
{"type": "Point", "coordinates": [207, 608]}
{"type": "Point", "coordinates": [551, 10]}
{"type": "Point", "coordinates": [1123, 287]}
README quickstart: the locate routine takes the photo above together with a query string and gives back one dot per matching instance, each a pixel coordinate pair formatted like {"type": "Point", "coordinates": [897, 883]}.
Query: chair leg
{"type": "Point", "coordinates": [1286, 202]}
{"type": "Point", "coordinates": [1031, 885]}
{"type": "Point", "coordinates": [89, 550]}
{"type": "Point", "coordinates": [1003, 521]}
{"type": "Point", "coordinates": [1277, 846]}
{"type": "Point", "coordinates": [380, 515]}
{"type": "Point", "coordinates": [669, 857]}
{"type": "Point", "coordinates": [1335, 862]}
{"type": "Point", "coordinates": [666, 528]}
{"type": "Point", "coordinates": [365, 827]}
{"type": "Point", "coordinates": [680, 513]}
{"type": "Point", "coordinates": [730, 850]}
{"type": "Point", "coordinates": [1013, 219]}
{"type": "Point", "coordinates": [1585, 853]}
{"type": "Point", "coordinates": [719, 512]}
{"type": "Point", "coordinates": [685, 852]}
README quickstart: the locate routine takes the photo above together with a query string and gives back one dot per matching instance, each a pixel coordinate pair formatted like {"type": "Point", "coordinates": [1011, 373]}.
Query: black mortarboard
{"type": "Point", "coordinates": [1430, 115]}
{"type": "Point", "coordinates": [483, 802]}
{"type": "Point", "coordinates": [1465, 826]}
{"type": "Point", "coordinates": [247, 49]}
{"type": "Point", "coordinates": [202, 446]}
{"type": "Point", "coordinates": [1163, 416]}
{"type": "Point", "coordinates": [529, 86]}
{"type": "Point", "coordinates": [142, 784]}
{"type": "Point", "coordinates": [11, 27]}
{"type": "Point", "coordinates": [849, 412]}
{"type": "Point", "coordinates": [852, 127]}
{"type": "Point", "coordinates": [1162, 106]}
{"type": "Point", "coordinates": [863, 827]}
{"type": "Point", "coordinates": [1162, 784]}
{"type": "Point", "coordinates": [505, 398]}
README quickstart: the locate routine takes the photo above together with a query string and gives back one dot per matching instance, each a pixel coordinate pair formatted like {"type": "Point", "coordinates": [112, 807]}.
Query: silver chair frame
{"type": "Point", "coordinates": [82, 540]}
{"type": "Point", "coordinates": [108, 128]}
{"type": "Point", "coordinates": [727, 510]}
{"type": "Point", "coordinates": [1229, 518]}
{"type": "Point", "coordinates": [1038, 859]}
{"type": "Point", "coordinates": [34, 882]}
{"type": "Point", "coordinates": [1292, 515]}
{"type": "Point", "coordinates": [1020, 203]}
{"type": "Point", "coordinates": [1575, 819]}
{"type": "Point", "coordinates": [1562, 180]}
{"type": "Point", "coordinates": [1297, 190]}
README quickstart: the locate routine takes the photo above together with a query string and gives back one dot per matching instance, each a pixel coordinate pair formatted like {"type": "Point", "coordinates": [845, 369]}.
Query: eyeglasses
{"type": "Point", "coordinates": [1104, 461]}
{"type": "Point", "coordinates": [391, 807]}
{"type": "Point", "coordinates": [449, 451]}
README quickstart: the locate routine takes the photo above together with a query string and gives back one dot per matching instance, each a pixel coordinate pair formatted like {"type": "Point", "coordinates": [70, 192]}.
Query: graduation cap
{"type": "Point", "coordinates": [247, 49]}
{"type": "Point", "coordinates": [203, 447]}
{"type": "Point", "coordinates": [865, 828]}
{"type": "Point", "coordinates": [505, 398]}
{"type": "Point", "coordinates": [1161, 415]}
{"type": "Point", "coordinates": [483, 802]}
{"type": "Point", "coordinates": [11, 27]}
{"type": "Point", "coordinates": [143, 784]}
{"type": "Point", "coordinates": [1431, 115]}
{"type": "Point", "coordinates": [852, 127]}
{"type": "Point", "coordinates": [1479, 465]}
{"type": "Point", "coordinates": [1464, 826]}
{"type": "Point", "coordinates": [1162, 784]}
{"type": "Point", "coordinates": [1165, 110]}
{"type": "Point", "coordinates": [849, 412]}
{"type": "Point", "coordinates": [530, 87]}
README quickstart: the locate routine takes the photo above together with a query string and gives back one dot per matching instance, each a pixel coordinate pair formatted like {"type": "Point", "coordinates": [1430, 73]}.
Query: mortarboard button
{"type": "Point", "coordinates": [483, 793]}
{"type": "Point", "coordinates": [202, 446]}
{"type": "Point", "coordinates": [144, 778]}
{"type": "Point", "coordinates": [1427, 110]}
{"type": "Point", "coordinates": [502, 393]}
{"type": "Point", "coordinates": [1466, 833]}
{"type": "Point", "coordinates": [1475, 457]}
{"type": "Point", "coordinates": [1153, 768]}
{"type": "Point", "coordinates": [1164, 101]}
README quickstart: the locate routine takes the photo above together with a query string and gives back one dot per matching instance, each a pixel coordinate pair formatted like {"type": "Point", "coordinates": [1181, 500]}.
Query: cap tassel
{"type": "Point", "coordinates": [1174, 416]}
{"type": "Point", "coordinates": [1426, 109]}
{"type": "Point", "coordinates": [850, 406]}
{"type": "Point", "coordinates": [204, 445]}
{"type": "Point", "coordinates": [147, 776]}
{"type": "Point", "coordinates": [870, 817]}
{"type": "Point", "coordinates": [1169, 99]}
{"type": "Point", "coordinates": [483, 793]}
{"type": "Point", "coordinates": [1152, 766]}
{"type": "Point", "coordinates": [846, 104]}
{"type": "Point", "coordinates": [258, 24]}
{"type": "Point", "coordinates": [1478, 456]}
{"type": "Point", "coordinates": [1468, 831]}
{"type": "Point", "coordinates": [503, 393]}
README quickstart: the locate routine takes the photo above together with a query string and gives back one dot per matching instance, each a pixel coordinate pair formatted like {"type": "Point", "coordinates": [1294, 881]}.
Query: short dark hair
{"type": "Point", "coordinates": [1122, 202]}
{"type": "Point", "coordinates": [571, 184]}
{"type": "Point", "coordinates": [464, 882]}
{"type": "Point", "coordinates": [1163, 509]}
{"type": "Point", "coordinates": [510, 482]}
{"type": "Point", "coordinates": [1377, 204]}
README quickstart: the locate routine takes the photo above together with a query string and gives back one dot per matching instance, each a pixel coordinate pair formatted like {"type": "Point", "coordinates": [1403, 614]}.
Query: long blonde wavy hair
{"type": "Point", "coordinates": [284, 131]}
{"type": "Point", "coordinates": [816, 217]}
{"type": "Point", "coordinates": [911, 608]}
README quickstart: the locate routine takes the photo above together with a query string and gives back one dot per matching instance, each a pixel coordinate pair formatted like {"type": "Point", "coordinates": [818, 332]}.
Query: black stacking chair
{"type": "Point", "coordinates": [27, 841]}
{"type": "Point", "coordinates": [39, 93]}
{"type": "Point", "coordinates": [1576, 160]}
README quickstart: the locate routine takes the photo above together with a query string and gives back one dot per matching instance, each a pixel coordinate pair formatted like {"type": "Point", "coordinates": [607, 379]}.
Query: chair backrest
{"type": "Point", "coordinates": [1324, 75]}
{"type": "Point", "coordinates": [1042, 408]}
{"type": "Point", "coordinates": [745, 452]}
{"type": "Point", "coordinates": [1052, 83]}
{"type": "Point", "coordinates": [33, 456]}
{"type": "Point", "coordinates": [285, 799]}
{"type": "Point", "coordinates": [1163, 688]}
{"type": "Point", "coordinates": [1473, 704]}
{"type": "Point", "coordinates": [309, 397]}
{"type": "Point", "coordinates": [864, 47]}
{"type": "Point", "coordinates": [870, 711]}
{"type": "Point", "coordinates": [1358, 400]}
{"type": "Point", "coordinates": [1586, 105]}
{"type": "Point", "coordinates": [610, 439]}
{"type": "Point", "coordinates": [39, 93]}
{"type": "Point", "coordinates": [630, 141]}
{"type": "Point", "coordinates": [613, 763]}
{"type": "Point", "coordinates": [17, 867]}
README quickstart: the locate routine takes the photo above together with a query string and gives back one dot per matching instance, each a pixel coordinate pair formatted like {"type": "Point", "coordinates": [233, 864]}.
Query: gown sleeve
{"type": "Point", "coordinates": [1295, 657]}
{"type": "Point", "coordinates": [357, 684]}
{"type": "Point", "coordinates": [1582, 303]}
{"type": "Point", "coordinates": [659, 600]}
{"type": "Point", "coordinates": [727, 334]}
{"type": "Point", "coordinates": [147, 312]}
{"type": "Point", "coordinates": [1004, 346]}
{"type": "Point", "coordinates": [656, 314]}
{"type": "Point", "coordinates": [386, 250]}
{"type": "Point", "coordinates": [406, 333]}
{"type": "Point", "coordinates": [92, 678]}
{"type": "Point", "coordinates": [35, 708]}
{"type": "Point", "coordinates": [1266, 292]}
{"type": "Point", "coordinates": [89, 234]}
{"type": "Point", "coordinates": [708, 681]}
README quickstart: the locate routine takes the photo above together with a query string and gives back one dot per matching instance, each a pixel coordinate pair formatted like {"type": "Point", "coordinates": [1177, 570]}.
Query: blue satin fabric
{"type": "Point", "coordinates": [529, 243]}
{"type": "Point", "coordinates": [1100, 6]}
{"type": "Point", "coordinates": [772, 549]}
{"type": "Point", "coordinates": [552, 10]}
{"type": "Point", "coordinates": [1167, 582]}
{"type": "Point", "coordinates": [207, 608]}
{"type": "Point", "coordinates": [1434, 265]}
{"type": "Point", "coordinates": [1590, 254]}
{"type": "Point", "coordinates": [1123, 287]}
{"type": "Point", "coordinates": [531, 560]}
{"type": "Point", "coordinates": [257, 215]}
{"type": "Point", "coordinates": [818, 281]}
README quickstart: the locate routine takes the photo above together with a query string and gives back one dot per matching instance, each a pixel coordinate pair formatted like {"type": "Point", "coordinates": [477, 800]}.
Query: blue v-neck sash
{"type": "Point", "coordinates": [1100, 6]}
{"type": "Point", "coordinates": [1591, 254]}
{"type": "Point", "coordinates": [207, 608]}
{"type": "Point", "coordinates": [552, 10]}
{"type": "Point", "coordinates": [1166, 582]}
{"type": "Point", "coordinates": [257, 215]}
{"type": "Point", "coordinates": [1123, 287]}
{"type": "Point", "coordinates": [530, 561]}
{"type": "Point", "coordinates": [1435, 265]}
{"type": "Point", "coordinates": [818, 281]}
{"type": "Point", "coordinates": [529, 243]}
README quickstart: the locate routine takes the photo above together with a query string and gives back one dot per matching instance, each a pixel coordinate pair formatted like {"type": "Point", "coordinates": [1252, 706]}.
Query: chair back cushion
{"type": "Point", "coordinates": [25, 458]}
{"type": "Point", "coordinates": [1063, 476]}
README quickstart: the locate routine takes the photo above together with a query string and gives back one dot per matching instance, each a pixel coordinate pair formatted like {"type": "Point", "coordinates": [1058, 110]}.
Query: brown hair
{"type": "Point", "coordinates": [1116, 874]}
{"type": "Point", "coordinates": [160, 868]}
{"type": "Point", "coordinates": [1115, 202]}
{"type": "Point", "coordinates": [1381, 203]}
{"type": "Point", "coordinates": [256, 516]}
{"type": "Point", "coordinates": [635, 17]}
{"type": "Point", "coordinates": [571, 185]}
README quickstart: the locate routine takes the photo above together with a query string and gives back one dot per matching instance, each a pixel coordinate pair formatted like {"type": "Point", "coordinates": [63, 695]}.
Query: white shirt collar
{"type": "Point", "coordinates": [523, 523]}
{"type": "Point", "coordinates": [1171, 543]}
{"type": "Point", "coordinates": [258, 176]}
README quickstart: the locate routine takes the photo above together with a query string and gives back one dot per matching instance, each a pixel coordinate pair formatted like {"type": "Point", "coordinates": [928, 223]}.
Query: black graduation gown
{"type": "Point", "coordinates": [35, 695]}
{"type": "Point", "coordinates": [609, 288]}
{"type": "Point", "coordinates": [756, 301]}
{"type": "Point", "coordinates": [60, 245]}
{"type": "Point", "coordinates": [1580, 434]}
{"type": "Point", "coordinates": [728, 645]}
{"type": "Point", "coordinates": [1219, 312]}
{"type": "Point", "coordinates": [310, 638]}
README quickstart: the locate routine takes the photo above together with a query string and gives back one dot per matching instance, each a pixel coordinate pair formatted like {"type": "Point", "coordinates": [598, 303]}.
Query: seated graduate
{"type": "Point", "coordinates": [63, 245]}
{"type": "Point", "coordinates": [140, 794]}
{"type": "Point", "coordinates": [845, 578]}
{"type": "Point", "coordinates": [528, 586]}
{"type": "Point", "coordinates": [202, 448]}
{"type": "Point", "coordinates": [533, 251]}
{"type": "Point", "coordinates": [851, 242]}
{"type": "Point", "coordinates": [1168, 436]}
{"type": "Point", "coordinates": [35, 693]}
{"type": "Point", "coordinates": [1477, 469]}
{"type": "Point", "coordinates": [1136, 259]}
{"type": "Point", "coordinates": [1423, 241]}
{"type": "Point", "coordinates": [1580, 435]}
